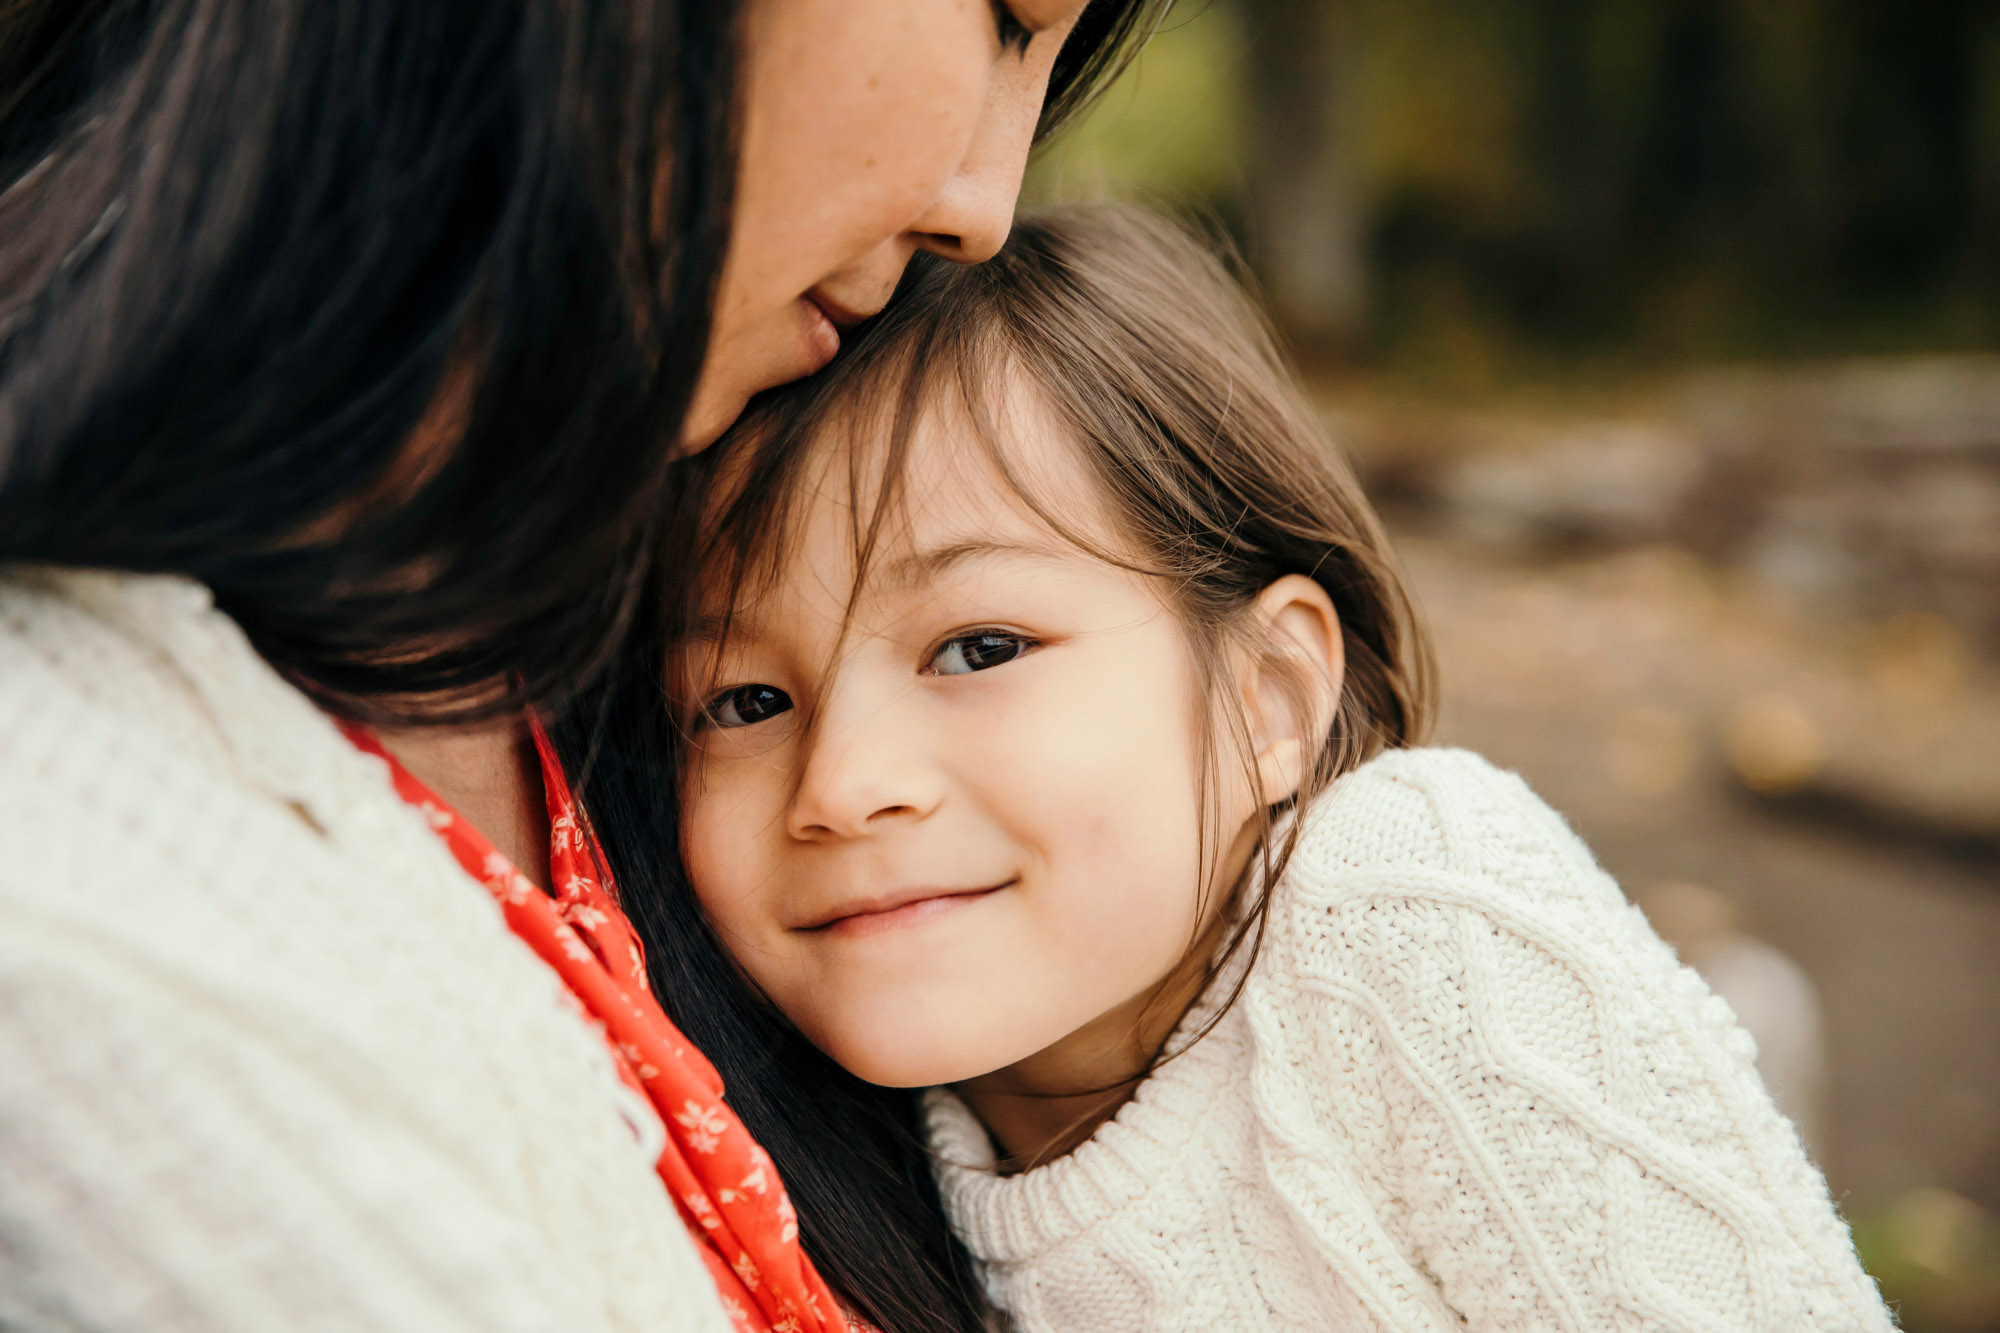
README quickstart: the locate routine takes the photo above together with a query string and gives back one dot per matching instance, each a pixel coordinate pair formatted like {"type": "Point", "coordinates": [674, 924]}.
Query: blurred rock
{"type": "Point", "coordinates": [1773, 744]}
{"type": "Point", "coordinates": [1869, 487]}
{"type": "Point", "coordinates": [1939, 407]}
{"type": "Point", "coordinates": [1614, 482]}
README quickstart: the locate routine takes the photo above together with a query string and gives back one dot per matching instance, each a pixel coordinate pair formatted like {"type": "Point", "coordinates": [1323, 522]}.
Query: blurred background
{"type": "Point", "coordinates": [1666, 333]}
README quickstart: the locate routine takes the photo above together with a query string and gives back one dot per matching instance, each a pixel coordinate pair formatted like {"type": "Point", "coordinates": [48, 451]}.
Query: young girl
{"type": "Point", "coordinates": [1047, 705]}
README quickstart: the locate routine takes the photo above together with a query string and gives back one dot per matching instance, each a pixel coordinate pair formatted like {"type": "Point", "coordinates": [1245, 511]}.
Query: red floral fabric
{"type": "Point", "coordinates": [725, 1185]}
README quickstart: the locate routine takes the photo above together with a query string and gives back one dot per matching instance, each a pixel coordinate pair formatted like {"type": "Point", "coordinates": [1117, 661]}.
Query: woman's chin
{"type": "Point", "coordinates": [713, 411]}
{"type": "Point", "coordinates": [788, 344]}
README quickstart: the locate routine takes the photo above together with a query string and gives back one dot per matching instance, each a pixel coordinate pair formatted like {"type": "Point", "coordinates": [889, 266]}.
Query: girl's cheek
{"type": "Point", "coordinates": [697, 855]}
{"type": "Point", "coordinates": [730, 827]}
{"type": "Point", "coordinates": [715, 844]}
{"type": "Point", "coordinates": [724, 792]}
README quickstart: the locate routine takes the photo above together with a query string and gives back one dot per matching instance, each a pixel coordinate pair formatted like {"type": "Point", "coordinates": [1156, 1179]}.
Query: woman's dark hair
{"type": "Point", "coordinates": [1219, 480]}
{"type": "Point", "coordinates": [250, 250]}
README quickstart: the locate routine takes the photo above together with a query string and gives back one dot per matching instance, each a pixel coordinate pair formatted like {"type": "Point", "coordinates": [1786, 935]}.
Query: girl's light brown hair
{"type": "Point", "coordinates": [1218, 478]}
{"type": "Point", "coordinates": [1164, 377]}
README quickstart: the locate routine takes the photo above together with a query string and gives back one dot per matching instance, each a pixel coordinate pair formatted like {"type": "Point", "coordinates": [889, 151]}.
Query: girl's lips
{"type": "Point", "coordinates": [908, 911]}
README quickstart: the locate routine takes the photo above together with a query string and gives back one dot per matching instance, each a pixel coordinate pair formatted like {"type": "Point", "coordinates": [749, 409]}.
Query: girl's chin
{"type": "Point", "coordinates": [894, 1052]}
{"type": "Point", "coordinates": [899, 1070]}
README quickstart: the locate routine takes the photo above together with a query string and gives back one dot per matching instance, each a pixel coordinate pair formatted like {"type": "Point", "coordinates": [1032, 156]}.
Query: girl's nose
{"type": "Point", "coordinates": [859, 781]}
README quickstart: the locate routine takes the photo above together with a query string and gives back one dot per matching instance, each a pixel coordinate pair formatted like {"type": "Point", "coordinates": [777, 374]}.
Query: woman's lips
{"type": "Point", "coordinates": [900, 910]}
{"type": "Point", "coordinates": [843, 315]}
{"type": "Point", "coordinates": [822, 339]}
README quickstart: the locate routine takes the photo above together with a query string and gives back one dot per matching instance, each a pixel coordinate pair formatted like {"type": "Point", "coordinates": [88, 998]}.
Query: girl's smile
{"type": "Point", "coordinates": [906, 908]}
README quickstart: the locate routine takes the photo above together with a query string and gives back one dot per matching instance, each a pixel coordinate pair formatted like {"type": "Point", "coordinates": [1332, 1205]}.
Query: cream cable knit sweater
{"type": "Point", "coordinates": [1465, 1087]}
{"type": "Point", "coordinates": [268, 1059]}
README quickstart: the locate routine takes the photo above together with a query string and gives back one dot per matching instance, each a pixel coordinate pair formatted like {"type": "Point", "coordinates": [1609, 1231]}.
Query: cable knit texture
{"type": "Point", "coordinates": [1465, 1086]}
{"type": "Point", "coordinates": [268, 1059]}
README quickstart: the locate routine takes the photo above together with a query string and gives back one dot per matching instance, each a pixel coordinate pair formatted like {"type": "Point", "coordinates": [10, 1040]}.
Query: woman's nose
{"type": "Point", "coordinates": [859, 778]}
{"type": "Point", "coordinates": [970, 218]}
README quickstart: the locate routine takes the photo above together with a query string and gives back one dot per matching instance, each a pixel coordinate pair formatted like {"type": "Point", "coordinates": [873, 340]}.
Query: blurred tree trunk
{"type": "Point", "coordinates": [1306, 211]}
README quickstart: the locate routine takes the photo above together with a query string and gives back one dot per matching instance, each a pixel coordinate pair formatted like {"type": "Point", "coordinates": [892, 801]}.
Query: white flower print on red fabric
{"type": "Point", "coordinates": [788, 1219]}
{"type": "Point", "coordinates": [637, 1059]}
{"type": "Point", "coordinates": [702, 1210]}
{"type": "Point", "coordinates": [735, 1206]}
{"type": "Point", "coordinates": [584, 916]}
{"type": "Point", "coordinates": [572, 944]}
{"type": "Point", "coordinates": [564, 831]}
{"type": "Point", "coordinates": [507, 883]}
{"type": "Point", "coordinates": [757, 1182]}
{"type": "Point", "coordinates": [705, 1126]}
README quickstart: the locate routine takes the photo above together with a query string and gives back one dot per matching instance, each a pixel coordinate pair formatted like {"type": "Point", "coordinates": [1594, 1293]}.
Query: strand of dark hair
{"type": "Point", "coordinates": [248, 242]}
{"type": "Point", "coordinates": [848, 1151]}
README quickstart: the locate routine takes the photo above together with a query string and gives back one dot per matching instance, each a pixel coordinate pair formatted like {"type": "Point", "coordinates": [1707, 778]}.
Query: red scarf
{"type": "Point", "coordinates": [726, 1188]}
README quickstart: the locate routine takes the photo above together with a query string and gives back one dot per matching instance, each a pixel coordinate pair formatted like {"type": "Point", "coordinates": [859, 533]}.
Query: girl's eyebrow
{"type": "Point", "coordinates": [899, 575]}
{"type": "Point", "coordinates": [711, 629]}
{"type": "Point", "coordinates": [920, 567]}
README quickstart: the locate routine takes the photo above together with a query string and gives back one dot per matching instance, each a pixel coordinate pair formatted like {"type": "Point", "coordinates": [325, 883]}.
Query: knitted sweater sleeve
{"type": "Point", "coordinates": [273, 1063]}
{"type": "Point", "coordinates": [169, 1166]}
{"type": "Point", "coordinates": [1542, 1119]}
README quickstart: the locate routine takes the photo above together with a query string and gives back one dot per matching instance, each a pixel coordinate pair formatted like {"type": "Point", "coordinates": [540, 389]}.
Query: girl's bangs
{"type": "Point", "coordinates": [855, 428]}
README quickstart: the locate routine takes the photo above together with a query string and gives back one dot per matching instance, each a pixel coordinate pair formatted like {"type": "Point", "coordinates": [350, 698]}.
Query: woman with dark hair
{"type": "Point", "coordinates": [345, 347]}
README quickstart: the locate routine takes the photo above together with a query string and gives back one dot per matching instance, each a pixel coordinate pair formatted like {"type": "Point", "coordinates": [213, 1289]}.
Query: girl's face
{"type": "Point", "coordinates": [871, 129]}
{"type": "Point", "coordinates": [965, 832]}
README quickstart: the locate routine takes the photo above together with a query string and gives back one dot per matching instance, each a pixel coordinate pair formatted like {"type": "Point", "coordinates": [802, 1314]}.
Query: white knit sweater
{"type": "Point", "coordinates": [268, 1058]}
{"type": "Point", "coordinates": [1465, 1086]}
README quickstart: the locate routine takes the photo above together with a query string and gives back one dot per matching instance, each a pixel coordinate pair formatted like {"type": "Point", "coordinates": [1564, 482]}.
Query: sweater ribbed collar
{"type": "Point", "coordinates": [1009, 1219]}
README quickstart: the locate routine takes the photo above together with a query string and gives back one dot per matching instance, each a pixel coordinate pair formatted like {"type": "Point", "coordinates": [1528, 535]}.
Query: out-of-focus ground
{"type": "Point", "coordinates": [1741, 629]}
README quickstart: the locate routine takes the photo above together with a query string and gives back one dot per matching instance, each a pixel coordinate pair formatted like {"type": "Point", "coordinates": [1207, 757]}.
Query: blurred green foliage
{"type": "Point", "coordinates": [1937, 1258]}
{"type": "Point", "coordinates": [1171, 128]}
{"type": "Point", "coordinates": [1643, 180]}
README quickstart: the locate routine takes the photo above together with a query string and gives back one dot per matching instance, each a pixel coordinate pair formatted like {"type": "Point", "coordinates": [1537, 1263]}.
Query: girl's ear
{"type": "Point", "coordinates": [1292, 686]}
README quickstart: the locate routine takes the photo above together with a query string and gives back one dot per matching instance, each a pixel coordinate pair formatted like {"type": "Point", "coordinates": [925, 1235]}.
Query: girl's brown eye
{"type": "Point", "coordinates": [745, 706]}
{"type": "Point", "coordinates": [977, 652]}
